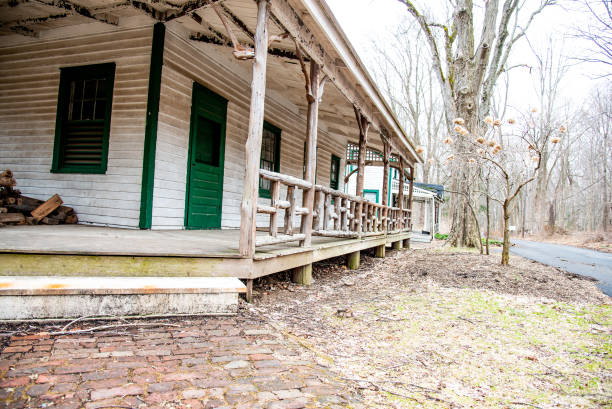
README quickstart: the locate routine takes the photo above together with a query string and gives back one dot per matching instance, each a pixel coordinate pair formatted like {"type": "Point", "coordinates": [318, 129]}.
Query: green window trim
{"type": "Point", "coordinates": [371, 191]}
{"type": "Point", "coordinates": [265, 191]}
{"type": "Point", "coordinates": [69, 76]}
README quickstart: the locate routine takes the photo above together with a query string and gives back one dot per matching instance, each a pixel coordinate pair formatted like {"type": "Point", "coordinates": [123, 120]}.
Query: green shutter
{"type": "Point", "coordinates": [82, 125]}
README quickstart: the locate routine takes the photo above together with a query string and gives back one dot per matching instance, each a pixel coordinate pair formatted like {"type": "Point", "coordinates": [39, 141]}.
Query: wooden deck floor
{"type": "Point", "coordinates": [95, 251]}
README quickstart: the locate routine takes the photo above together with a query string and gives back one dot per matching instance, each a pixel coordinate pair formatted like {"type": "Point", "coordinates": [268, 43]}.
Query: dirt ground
{"type": "Point", "coordinates": [425, 328]}
{"type": "Point", "coordinates": [435, 328]}
{"type": "Point", "coordinates": [595, 241]}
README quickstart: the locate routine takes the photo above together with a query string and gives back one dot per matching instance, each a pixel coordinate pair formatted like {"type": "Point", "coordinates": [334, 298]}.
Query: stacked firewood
{"type": "Point", "coordinates": [18, 209]}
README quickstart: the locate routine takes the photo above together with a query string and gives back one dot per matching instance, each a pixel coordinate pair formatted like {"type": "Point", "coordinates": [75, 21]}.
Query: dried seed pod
{"type": "Point", "coordinates": [459, 121]}
{"type": "Point", "coordinates": [480, 140]}
{"type": "Point", "coordinates": [488, 120]}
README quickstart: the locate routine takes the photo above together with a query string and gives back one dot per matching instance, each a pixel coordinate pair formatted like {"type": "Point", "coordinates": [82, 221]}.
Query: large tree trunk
{"type": "Point", "coordinates": [551, 218]}
{"type": "Point", "coordinates": [606, 203]}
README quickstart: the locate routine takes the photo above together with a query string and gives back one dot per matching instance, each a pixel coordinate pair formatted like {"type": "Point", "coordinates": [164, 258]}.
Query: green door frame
{"type": "Point", "coordinates": [213, 98]}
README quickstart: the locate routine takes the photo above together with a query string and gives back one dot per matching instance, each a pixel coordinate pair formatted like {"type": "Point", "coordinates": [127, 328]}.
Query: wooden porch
{"type": "Point", "coordinates": [79, 250]}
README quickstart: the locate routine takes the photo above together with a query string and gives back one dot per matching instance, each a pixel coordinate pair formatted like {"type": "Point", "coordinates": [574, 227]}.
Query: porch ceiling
{"type": "Point", "coordinates": [202, 25]}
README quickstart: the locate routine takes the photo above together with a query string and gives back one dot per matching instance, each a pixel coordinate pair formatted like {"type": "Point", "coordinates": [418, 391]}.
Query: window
{"type": "Point", "coordinates": [371, 195]}
{"type": "Point", "coordinates": [270, 155]}
{"type": "Point", "coordinates": [334, 173]}
{"type": "Point", "coordinates": [83, 117]}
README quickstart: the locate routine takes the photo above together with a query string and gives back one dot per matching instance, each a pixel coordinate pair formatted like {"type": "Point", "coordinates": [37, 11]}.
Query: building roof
{"type": "Point", "coordinates": [437, 189]}
{"type": "Point", "coordinates": [310, 22]}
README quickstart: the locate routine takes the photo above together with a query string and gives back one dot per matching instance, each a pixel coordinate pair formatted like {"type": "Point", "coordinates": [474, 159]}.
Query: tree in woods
{"type": "Point", "coordinates": [598, 33]}
{"type": "Point", "coordinates": [467, 68]}
{"type": "Point", "coordinates": [402, 67]}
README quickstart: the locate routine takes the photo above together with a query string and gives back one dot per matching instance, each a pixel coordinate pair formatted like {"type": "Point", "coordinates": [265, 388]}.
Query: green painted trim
{"type": "Point", "coordinates": [371, 191]}
{"type": "Point", "coordinates": [67, 74]}
{"type": "Point", "coordinates": [265, 193]}
{"type": "Point", "coordinates": [150, 141]}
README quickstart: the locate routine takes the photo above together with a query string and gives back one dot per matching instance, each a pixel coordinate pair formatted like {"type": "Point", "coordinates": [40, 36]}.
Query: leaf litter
{"type": "Point", "coordinates": [441, 328]}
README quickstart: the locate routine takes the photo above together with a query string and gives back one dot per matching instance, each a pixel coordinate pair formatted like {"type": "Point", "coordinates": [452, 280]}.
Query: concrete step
{"type": "Point", "coordinates": [27, 297]}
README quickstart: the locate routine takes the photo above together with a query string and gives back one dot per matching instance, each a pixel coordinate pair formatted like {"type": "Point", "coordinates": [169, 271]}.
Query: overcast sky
{"type": "Point", "coordinates": [368, 20]}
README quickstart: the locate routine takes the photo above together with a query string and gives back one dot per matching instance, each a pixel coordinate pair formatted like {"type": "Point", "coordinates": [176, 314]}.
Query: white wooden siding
{"type": "Point", "coordinates": [184, 64]}
{"type": "Point", "coordinates": [29, 83]}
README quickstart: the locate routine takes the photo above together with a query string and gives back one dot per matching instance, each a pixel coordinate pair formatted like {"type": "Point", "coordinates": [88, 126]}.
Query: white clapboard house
{"type": "Point", "coordinates": [194, 138]}
{"type": "Point", "coordinates": [424, 200]}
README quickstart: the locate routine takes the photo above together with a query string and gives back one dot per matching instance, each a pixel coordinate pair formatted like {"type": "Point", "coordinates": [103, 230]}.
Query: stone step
{"type": "Point", "coordinates": [29, 297]}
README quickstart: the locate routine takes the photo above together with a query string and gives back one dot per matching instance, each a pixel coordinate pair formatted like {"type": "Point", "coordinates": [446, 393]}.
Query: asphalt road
{"type": "Point", "coordinates": [573, 259]}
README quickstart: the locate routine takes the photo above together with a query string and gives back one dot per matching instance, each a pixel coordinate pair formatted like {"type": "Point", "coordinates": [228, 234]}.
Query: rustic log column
{"type": "Point", "coordinates": [314, 84]}
{"type": "Point", "coordinates": [400, 194]}
{"type": "Point", "coordinates": [385, 184]}
{"type": "Point", "coordinates": [411, 181]}
{"type": "Point", "coordinates": [364, 125]}
{"type": "Point", "coordinates": [248, 208]}
{"type": "Point", "coordinates": [313, 94]}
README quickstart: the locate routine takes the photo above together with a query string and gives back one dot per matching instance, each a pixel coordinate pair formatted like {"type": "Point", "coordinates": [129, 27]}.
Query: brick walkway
{"type": "Point", "coordinates": [205, 363]}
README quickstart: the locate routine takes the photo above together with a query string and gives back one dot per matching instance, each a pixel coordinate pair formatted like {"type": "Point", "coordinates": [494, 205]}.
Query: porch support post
{"type": "Point", "coordinates": [248, 208]}
{"type": "Point", "coordinates": [249, 290]}
{"type": "Point", "coordinates": [397, 245]}
{"type": "Point", "coordinates": [303, 275]}
{"type": "Point", "coordinates": [385, 182]}
{"type": "Point", "coordinates": [314, 88]}
{"type": "Point", "coordinates": [380, 251]}
{"type": "Point", "coordinates": [353, 259]}
{"type": "Point", "coordinates": [364, 125]}
{"type": "Point", "coordinates": [400, 193]}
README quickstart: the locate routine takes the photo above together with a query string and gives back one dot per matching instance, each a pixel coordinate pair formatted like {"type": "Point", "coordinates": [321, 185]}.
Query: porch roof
{"type": "Point", "coordinates": [310, 22]}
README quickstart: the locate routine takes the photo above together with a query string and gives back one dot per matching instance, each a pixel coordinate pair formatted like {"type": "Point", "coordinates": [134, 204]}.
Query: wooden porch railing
{"type": "Point", "coordinates": [334, 213]}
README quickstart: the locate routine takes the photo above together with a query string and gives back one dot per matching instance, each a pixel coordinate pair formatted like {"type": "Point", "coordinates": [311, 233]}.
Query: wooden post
{"type": "Point", "coordinates": [385, 184]}
{"type": "Point", "coordinates": [249, 292]}
{"type": "Point", "coordinates": [303, 275]}
{"type": "Point", "coordinates": [397, 245]}
{"type": "Point", "coordinates": [406, 244]}
{"type": "Point", "coordinates": [248, 207]}
{"type": "Point", "coordinates": [314, 89]}
{"type": "Point", "coordinates": [411, 180]}
{"type": "Point", "coordinates": [400, 194]}
{"type": "Point", "coordinates": [352, 260]}
{"type": "Point", "coordinates": [380, 251]}
{"type": "Point", "coordinates": [364, 125]}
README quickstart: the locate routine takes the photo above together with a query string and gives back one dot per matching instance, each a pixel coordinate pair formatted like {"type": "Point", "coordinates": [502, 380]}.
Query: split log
{"type": "Point", "coordinates": [44, 209]}
{"type": "Point", "coordinates": [12, 218]}
{"type": "Point", "coordinates": [71, 219]}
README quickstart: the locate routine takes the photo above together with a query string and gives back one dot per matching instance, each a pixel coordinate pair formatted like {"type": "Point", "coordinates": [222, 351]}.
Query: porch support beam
{"type": "Point", "coordinates": [314, 84]}
{"type": "Point", "coordinates": [364, 125]}
{"type": "Point", "coordinates": [385, 181]}
{"type": "Point", "coordinates": [248, 208]}
{"type": "Point", "coordinates": [400, 194]}
{"type": "Point", "coordinates": [302, 275]}
{"type": "Point", "coordinates": [353, 260]}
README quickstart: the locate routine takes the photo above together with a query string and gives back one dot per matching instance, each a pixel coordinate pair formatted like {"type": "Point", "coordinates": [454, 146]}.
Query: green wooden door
{"type": "Point", "coordinates": [206, 158]}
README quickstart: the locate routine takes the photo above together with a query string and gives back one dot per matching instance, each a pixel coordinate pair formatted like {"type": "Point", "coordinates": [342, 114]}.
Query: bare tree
{"type": "Point", "coordinates": [467, 69]}
{"type": "Point", "coordinates": [597, 32]}
{"type": "Point", "coordinates": [403, 68]}
{"type": "Point", "coordinates": [510, 167]}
